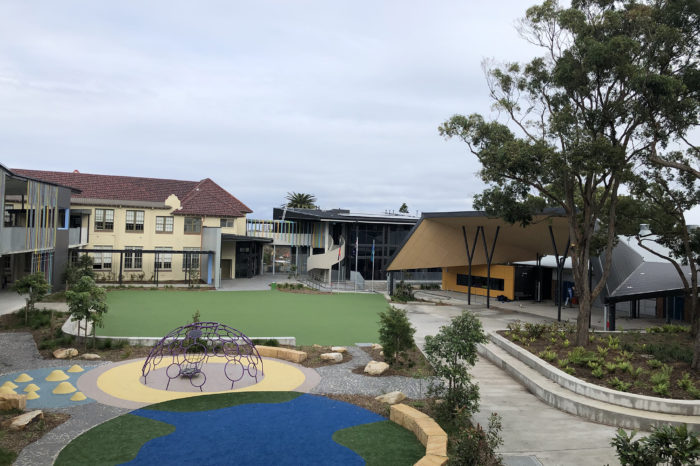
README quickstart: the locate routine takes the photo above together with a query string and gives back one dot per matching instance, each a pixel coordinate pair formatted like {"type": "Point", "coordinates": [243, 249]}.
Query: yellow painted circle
{"type": "Point", "coordinates": [123, 381]}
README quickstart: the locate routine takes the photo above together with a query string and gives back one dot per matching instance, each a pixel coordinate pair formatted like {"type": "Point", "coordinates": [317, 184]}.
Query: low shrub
{"type": "Point", "coordinates": [395, 333]}
{"type": "Point", "coordinates": [665, 445]}
{"type": "Point", "coordinates": [476, 447]}
{"type": "Point", "coordinates": [403, 292]}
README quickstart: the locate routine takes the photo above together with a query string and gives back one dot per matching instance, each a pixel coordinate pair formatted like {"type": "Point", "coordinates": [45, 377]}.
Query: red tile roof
{"type": "Point", "coordinates": [197, 197]}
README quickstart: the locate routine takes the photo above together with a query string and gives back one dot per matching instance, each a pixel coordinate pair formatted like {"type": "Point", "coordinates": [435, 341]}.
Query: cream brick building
{"type": "Point", "coordinates": [151, 229]}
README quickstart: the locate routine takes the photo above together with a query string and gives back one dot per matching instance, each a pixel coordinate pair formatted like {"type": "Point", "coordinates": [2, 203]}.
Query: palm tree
{"type": "Point", "coordinates": [301, 200]}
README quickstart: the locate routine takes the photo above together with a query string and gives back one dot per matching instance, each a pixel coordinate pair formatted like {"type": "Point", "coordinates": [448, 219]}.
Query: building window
{"type": "Point", "coordinates": [190, 260]}
{"type": "Point", "coordinates": [164, 260]}
{"type": "Point", "coordinates": [497, 284]}
{"type": "Point", "coordinates": [7, 215]}
{"type": "Point", "coordinates": [164, 224]}
{"type": "Point", "coordinates": [193, 225]}
{"type": "Point", "coordinates": [227, 222]}
{"type": "Point", "coordinates": [104, 219]}
{"type": "Point", "coordinates": [102, 260]}
{"type": "Point", "coordinates": [134, 220]}
{"type": "Point", "coordinates": [134, 258]}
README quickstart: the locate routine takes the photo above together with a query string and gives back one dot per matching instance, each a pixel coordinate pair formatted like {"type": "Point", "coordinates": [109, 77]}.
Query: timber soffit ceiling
{"type": "Point", "coordinates": [437, 240]}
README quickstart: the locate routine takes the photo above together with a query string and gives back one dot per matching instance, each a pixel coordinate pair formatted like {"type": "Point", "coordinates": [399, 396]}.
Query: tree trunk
{"type": "Point", "coordinates": [584, 313]}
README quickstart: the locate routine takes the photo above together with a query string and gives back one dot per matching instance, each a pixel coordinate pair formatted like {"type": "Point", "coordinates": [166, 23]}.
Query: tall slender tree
{"type": "Point", "coordinates": [617, 79]}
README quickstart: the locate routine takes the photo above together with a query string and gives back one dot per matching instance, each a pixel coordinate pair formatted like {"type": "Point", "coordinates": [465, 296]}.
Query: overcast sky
{"type": "Point", "coordinates": [341, 99]}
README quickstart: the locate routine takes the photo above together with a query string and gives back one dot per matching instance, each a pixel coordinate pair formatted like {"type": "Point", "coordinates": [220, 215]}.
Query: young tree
{"type": "Point", "coordinates": [82, 268]}
{"type": "Point", "coordinates": [87, 301]}
{"type": "Point", "coordinates": [35, 287]}
{"type": "Point", "coordinates": [395, 333]}
{"type": "Point", "coordinates": [451, 353]}
{"type": "Point", "coordinates": [403, 209]}
{"type": "Point", "coordinates": [301, 200]}
{"type": "Point", "coordinates": [582, 114]}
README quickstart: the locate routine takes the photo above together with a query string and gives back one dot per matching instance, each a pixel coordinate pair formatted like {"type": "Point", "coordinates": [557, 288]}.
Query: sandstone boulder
{"type": "Point", "coordinates": [91, 356]}
{"type": "Point", "coordinates": [9, 401]}
{"type": "Point", "coordinates": [23, 420]}
{"type": "Point", "coordinates": [377, 346]}
{"type": "Point", "coordinates": [334, 357]}
{"type": "Point", "coordinates": [392, 397]}
{"type": "Point", "coordinates": [339, 349]}
{"type": "Point", "coordinates": [64, 353]}
{"type": "Point", "coordinates": [376, 368]}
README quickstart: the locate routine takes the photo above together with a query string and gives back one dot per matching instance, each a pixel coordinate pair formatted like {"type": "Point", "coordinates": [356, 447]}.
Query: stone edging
{"type": "Point", "coordinates": [70, 327]}
{"type": "Point", "coordinates": [596, 392]}
{"type": "Point", "coordinates": [426, 430]}
{"type": "Point", "coordinates": [281, 353]}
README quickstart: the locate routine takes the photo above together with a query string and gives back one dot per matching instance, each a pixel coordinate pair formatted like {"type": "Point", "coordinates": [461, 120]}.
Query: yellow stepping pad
{"type": "Point", "coordinates": [64, 388]}
{"type": "Point", "coordinates": [31, 388]}
{"type": "Point", "coordinates": [7, 391]}
{"type": "Point", "coordinates": [76, 368]}
{"type": "Point", "coordinates": [57, 376]}
{"type": "Point", "coordinates": [32, 396]}
{"type": "Point", "coordinates": [78, 396]}
{"type": "Point", "coordinates": [9, 385]}
{"type": "Point", "coordinates": [23, 378]}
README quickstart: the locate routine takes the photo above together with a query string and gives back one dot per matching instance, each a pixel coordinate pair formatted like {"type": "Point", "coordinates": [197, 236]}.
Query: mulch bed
{"type": "Point", "coordinates": [413, 364]}
{"type": "Point", "coordinates": [647, 353]}
{"type": "Point", "coordinates": [314, 353]}
{"type": "Point", "coordinates": [15, 440]}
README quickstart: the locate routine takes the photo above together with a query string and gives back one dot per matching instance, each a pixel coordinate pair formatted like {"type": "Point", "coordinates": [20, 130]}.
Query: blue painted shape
{"type": "Point", "coordinates": [47, 400]}
{"type": "Point", "coordinates": [296, 432]}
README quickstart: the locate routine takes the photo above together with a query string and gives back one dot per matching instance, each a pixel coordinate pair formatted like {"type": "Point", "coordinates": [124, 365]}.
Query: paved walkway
{"type": "Point", "coordinates": [531, 428]}
{"type": "Point", "coordinates": [257, 283]}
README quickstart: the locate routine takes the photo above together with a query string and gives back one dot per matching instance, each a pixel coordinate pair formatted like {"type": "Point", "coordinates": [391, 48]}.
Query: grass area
{"type": "Point", "coordinates": [382, 443]}
{"type": "Point", "coordinates": [324, 319]}
{"type": "Point", "coordinates": [126, 435]}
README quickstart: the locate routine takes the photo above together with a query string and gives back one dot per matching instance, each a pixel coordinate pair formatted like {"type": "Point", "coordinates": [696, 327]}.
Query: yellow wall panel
{"type": "Point", "coordinates": [504, 272]}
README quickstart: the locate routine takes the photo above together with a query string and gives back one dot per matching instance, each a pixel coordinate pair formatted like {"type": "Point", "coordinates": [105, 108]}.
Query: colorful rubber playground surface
{"type": "Point", "coordinates": [324, 319]}
{"type": "Point", "coordinates": [252, 428]}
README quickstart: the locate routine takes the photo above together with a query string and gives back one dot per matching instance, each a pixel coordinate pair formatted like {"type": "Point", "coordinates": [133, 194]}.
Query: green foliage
{"type": "Point", "coordinates": [687, 384]}
{"type": "Point", "coordinates": [613, 342]}
{"type": "Point", "coordinates": [395, 333]}
{"type": "Point", "coordinates": [669, 328]}
{"type": "Point", "coordinates": [301, 200]}
{"type": "Point", "coordinates": [598, 372]}
{"type": "Point", "coordinates": [476, 447]}
{"type": "Point", "coordinates": [665, 445]}
{"type": "Point", "coordinates": [87, 301]}
{"type": "Point", "coordinates": [403, 292]}
{"type": "Point", "coordinates": [403, 209]}
{"type": "Point", "coordinates": [579, 356]}
{"type": "Point", "coordinates": [548, 356]}
{"type": "Point", "coordinates": [35, 287]}
{"type": "Point", "coordinates": [82, 268]}
{"type": "Point", "coordinates": [654, 363]}
{"type": "Point", "coordinates": [451, 353]}
{"type": "Point", "coordinates": [618, 384]}
{"type": "Point", "coordinates": [671, 351]}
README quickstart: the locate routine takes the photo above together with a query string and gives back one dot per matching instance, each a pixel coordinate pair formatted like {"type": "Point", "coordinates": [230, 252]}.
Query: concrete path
{"type": "Point", "coordinates": [257, 283]}
{"type": "Point", "coordinates": [532, 430]}
{"type": "Point", "coordinates": [10, 302]}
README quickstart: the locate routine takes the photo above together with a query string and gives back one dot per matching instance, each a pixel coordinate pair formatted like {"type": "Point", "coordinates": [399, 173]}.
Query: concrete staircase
{"type": "Point", "coordinates": [598, 404]}
{"type": "Point", "coordinates": [328, 259]}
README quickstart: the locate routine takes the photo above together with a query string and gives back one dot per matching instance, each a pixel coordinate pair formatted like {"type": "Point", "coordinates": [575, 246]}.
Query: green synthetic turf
{"type": "Point", "coordinates": [126, 434]}
{"type": "Point", "coordinates": [382, 443]}
{"type": "Point", "coordinates": [338, 319]}
{"type": "Point", "coordinates": [222, 400]}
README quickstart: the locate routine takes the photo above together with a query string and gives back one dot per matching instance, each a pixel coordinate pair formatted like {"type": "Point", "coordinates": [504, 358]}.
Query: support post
{"type": "Point", "coordinates": [560, 269]}
{"type": "Point", "coordinates": [612, 317]}
{"type": "Point", "coordinates": [155, 272]}
{"type": "Point", "coordinates": [121, 267]}
{"type": "Point", "coordinates": [489, 258]}
{"type": "Point", "coordinates": [470, 257]}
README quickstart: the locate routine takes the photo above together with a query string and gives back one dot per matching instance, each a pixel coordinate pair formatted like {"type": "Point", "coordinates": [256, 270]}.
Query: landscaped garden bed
{"type": "Point", "coordinates": [653, 363]}
{"type": "Point", "coordinates": [411, 363]}
{"type": "Point", "coordinates": [13, 441]}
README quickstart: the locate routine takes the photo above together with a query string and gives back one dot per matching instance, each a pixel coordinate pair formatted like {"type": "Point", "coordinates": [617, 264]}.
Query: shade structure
{"type": "Point", "coordinates": [438, 240]}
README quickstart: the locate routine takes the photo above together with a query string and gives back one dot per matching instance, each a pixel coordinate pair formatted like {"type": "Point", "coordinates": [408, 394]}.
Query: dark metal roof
{"type": "Point", "coordinates": [232, 237]}
{"type": "Point", "coordinates": [339, 215]}
{"type": "Point", "coordinates": [650, 280]}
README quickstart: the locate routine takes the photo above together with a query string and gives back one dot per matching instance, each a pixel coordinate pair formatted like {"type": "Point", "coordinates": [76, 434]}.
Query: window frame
{"type": "Point", "coordinates": [158, 259]}
{"type": "Point", "coordinates": [135, 221]}
{"type": "Point", "coordinates": [135, 256]}
{"type": "Point", "coordinates": [165, 219]}
{"type": "Point", "coordinates": [198, 221]}
{"type": "Point", "coordinates": [100, 265]}
{"type": "Point", "coordinates": [224, 222]}
{"type": "Point", "coordinates": [195, 258]}
{"type": "Point", "coordinates": [102, 224]}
